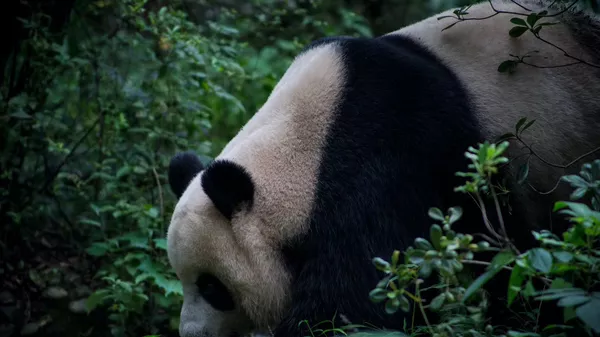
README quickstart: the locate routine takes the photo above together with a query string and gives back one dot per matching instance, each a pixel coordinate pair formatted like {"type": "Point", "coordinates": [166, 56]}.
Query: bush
{"type": "Point", "coordinates": [567, 266]}
{"type": "Point", "coordinates": [91, 117]}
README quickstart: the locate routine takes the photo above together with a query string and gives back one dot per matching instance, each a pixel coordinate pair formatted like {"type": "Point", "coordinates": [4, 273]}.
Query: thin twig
{"type": "Point", "coordinates": [564, 10]}
{"type": "Point", "coordinates": [69, 155]}
{"type": "Point", "coordinates": [547, 192]}
{"type": "Point", "coordinates": [487, 238]}
{"type": "Point", "coordinates": [501, 221]}
{"type": "Point", "coordinates": [160, 197]}
{"type": "Point", "coordinates": [483, 263]}
{"type": "Point", "coordinates": [418, 292]}
{"type": "Point", "coordinates": [539, 313]}
{"type": "Point", "coordinates": [486, 221]}
{"type": "Point", "coordinates": [551, 67]}
{"type": "Point", "coordinates": [564, 166]}
{"type": "Point", "coordinates": [518, 4]}
{"type": "Point", "coordinates": [565, 53]}
{"type": "Point", "coordinates": [536, 35]}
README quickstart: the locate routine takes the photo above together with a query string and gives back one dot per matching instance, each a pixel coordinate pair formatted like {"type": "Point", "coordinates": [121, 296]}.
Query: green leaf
{"type": "Point", "coordinates": [571, 301]}
{"type": "Point", "coordinates": [135, 239]}
{"type": "Point", "coordinates": [569, 314]}
{"type": "Point", "coordinates": [90, 222]}
{"type": "Point", "coordinates": [437, 302]}
{"type": "Point", "coordinates": [395, 258]}
{"type": "Point", "coordinates": [98, 249]}
{"type": "Point", "coordinates": [540, 259]}
{"type": "Point", "coordinates": [560, 283]}
{"type": "Point", "coordinates": [514, 284]}
{"type": "Point", "coordinates": [139, 170]}
{"type": "Point", "coordinates": [507, 66]}
{"type": "Point", "coordinates": [169, 286]}
{"type": "Point", "coordinates": [160, 243]}
{"type": "Point", "coordinates": [528, 125]}
{"type": "Point", "coordinates": [500, 260]}
{"type": "Point", "coordinates": [96, 299]}
{"type": "Point", "coordinates": [123, 171]}
{"type": "Point", "coordinates": [153, 212]}
{"type": "Point", "coordinates": [142, 277]}
{"type": "Point", "coordinates": [517, 31]}
{"type": "Point", "coordinates": [577, 210]}
{"type": "Point", "coordinates": [20, 115]}
{"type": "Point", "coordinates": [378, 295]}
{"type": "Point", "coordinates": [575, 180]}
{"type": "Point", "coordinates": [483, 152]}
{"type": "Point", "coordinates": [588, 313]}
{"type": "Point", "coordinates": [96, 209]}
{"type": "Point", "coordinates": [529, 289]}
{"type": "Point", "coordinates": [455, 214]}
{"type": "Point", "coordinates": [518, 21]}
{"type": "Point", "coordinates": [559, 293]}
{"type": "Point", "coordinates": [559, 205]}
{"type": "Point", "coordinates": [381, 264]}
{"type": "Point", "coordinates": [506, 135]}
{"type": "Point", "coordinates": [425, 270]}
{"type": "Point", "coordinates": [374, 333]}
{"type": "Point", "coordinates": [392, 305]}
{"type": "Point", "coordinates": [435, 233]}
{"type": "Point", "coordinates": [404, 304]}
{"type": "Point", "coordinates": [520, 123]}
{"type": "Point", "coordinates": [421, 243]}
{"type": "Point", "coordinates": [563, 256]}
{"type": "Point", "coordinates": [512, 333]}
{"type": "Point", "coordinates": [532, 19]}
{"type": "Point", "coordinates": [578, 193]}
{"type": "Point", "coordinates": [436, 214]}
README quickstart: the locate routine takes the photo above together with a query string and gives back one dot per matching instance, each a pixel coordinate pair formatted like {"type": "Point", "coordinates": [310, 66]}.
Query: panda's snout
{"type": "Point", "coordinates": [192, 329]}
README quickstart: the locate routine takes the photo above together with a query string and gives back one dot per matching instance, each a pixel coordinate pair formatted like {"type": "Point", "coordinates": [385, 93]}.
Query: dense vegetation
{"type": "Point", "coordinates": [97, 96]}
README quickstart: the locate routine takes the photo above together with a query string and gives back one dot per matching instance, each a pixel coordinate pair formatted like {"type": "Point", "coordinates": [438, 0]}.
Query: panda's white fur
{"type": "Point", "coordinates": [281, 147]}
{"type": "Point", "coordinates": [553, 97]}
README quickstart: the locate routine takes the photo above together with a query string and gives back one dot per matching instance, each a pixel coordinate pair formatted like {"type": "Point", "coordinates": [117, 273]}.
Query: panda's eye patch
{"type": "Point", "coordinates": [214, 292]}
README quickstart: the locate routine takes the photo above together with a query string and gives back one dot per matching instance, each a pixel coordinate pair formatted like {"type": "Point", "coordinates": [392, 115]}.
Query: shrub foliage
{"type": "Point", "coordinates": [96, 97]}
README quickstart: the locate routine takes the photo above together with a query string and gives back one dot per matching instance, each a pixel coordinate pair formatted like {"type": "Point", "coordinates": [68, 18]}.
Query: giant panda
{"type": "Point", "coordinates": [356, 141]}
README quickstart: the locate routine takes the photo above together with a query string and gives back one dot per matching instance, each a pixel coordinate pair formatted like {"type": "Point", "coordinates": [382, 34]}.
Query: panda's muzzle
{"type": "Point", "coordinates": [215, 292]}
{"type": "Point", "coordinates": [209, 310]}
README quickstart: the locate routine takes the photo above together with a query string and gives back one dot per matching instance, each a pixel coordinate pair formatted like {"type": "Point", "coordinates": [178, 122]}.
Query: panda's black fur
{"type": "Point", "coordinates": [379, 174]}
{"type": "Point", "coordinates": [410, 145]}
{"type": "Point", "coordinates": [182, 169]}
{"type": "Point", "coordinates": [228, 185]}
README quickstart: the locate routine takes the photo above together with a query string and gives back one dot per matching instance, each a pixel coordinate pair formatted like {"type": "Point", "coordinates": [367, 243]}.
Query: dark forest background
{"type": "Point", "coordinates": [95, 98]}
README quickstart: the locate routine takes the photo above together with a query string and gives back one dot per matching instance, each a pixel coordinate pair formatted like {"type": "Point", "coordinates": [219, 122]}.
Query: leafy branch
{"type": "Point", "coordinates": [530, 23]}
{"type": "Point", "coordinates": [574, 258]}
{"type": "Point", "coordinates": [522, 125]}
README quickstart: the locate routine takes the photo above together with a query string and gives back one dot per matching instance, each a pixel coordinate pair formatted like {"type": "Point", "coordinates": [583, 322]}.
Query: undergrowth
{"type": "Point", "coordinates": [567, 266]}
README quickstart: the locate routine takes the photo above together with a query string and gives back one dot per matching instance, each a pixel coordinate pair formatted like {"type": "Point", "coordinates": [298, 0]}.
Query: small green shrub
{"type": "Point", "coordinates": [568, 266]}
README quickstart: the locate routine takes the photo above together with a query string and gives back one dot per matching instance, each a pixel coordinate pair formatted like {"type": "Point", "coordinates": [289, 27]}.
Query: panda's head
{"type": "Point", "coordinates": [234, 216]}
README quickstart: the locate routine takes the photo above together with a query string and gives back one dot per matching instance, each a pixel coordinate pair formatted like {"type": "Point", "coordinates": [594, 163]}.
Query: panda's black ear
{"type": "Point", "coordinates": [228, 185]}
{"type": "Point", "coordinates": [183, 167]}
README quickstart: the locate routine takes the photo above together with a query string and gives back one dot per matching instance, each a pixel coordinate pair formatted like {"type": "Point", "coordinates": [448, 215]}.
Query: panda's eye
{"type": "Point", "coordinates": [214, 292]}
